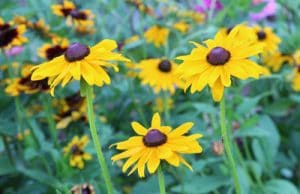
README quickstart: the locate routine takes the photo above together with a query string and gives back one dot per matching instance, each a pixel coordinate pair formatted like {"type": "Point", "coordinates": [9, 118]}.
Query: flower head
{"type": "Point", "coordinates": [267, 38]}
{"type": "Point", "coordinates": [64, 9]}
{"type": "Point", "coordinates": [83, 189]}
{"type": "Point", "coordinates": [181, 26]}
{"type": "Point", "coordinates": [159, 74]}
{"type": "Point", "coordinates": [296, 78]}
{"type": "Point", "coordinates": [215, 63]}
{"type": "Point", "coordinates": [276, 59]}
{"type": "Point", "coordinates": [11, 35]}
{"type": "Point", "coordinates": [71, 108]}
{"type": "Point", "coordinates": [57, 48]}
{"type": "Point", "coordinates": [80, 61]}
{"type": "Point", "coordinates": [75, 149]}
{"type": "Point", "coordinates": [268, 11]}
{"type": "Point", "coordinates": [155, 144]}
{"type": "Point", "coordinates": [157, 35]}
{"type": "Point", "coordinates": [25, 85]}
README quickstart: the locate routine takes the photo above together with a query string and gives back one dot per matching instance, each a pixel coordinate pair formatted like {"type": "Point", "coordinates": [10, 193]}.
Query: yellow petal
{"type": "Point", "coordinates": [155, 123]}
{"type": "Point", "coordinates": [182, 129]}
{"type": "Point", "coordinates": [138, 128]}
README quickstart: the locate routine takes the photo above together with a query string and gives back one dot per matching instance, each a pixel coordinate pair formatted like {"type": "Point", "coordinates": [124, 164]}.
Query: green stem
{"type": "Point", "coordinates": [91, 118]}
{"type": "Point", "coordinates": [161, 181]}
{"type": "Point", "coordinates": [7, 149]}
{"type": "Point", "coordinates": [48, 109]}
{"type": "Point", "coordinates": [227, 146]}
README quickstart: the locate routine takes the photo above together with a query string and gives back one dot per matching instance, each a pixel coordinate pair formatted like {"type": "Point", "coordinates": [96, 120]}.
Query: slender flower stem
{"type": "Point", "coordinates": [161, 181]}
{"type": "Point", "coordinates": [91, 118]}
{"type": "Point", "coordinates": [227, 146]}
{"type": "Point", "coordinates": [48, 109]}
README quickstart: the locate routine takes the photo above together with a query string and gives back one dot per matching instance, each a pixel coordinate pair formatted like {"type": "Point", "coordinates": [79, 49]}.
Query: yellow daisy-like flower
{"type": "Point", "coordinates": [296, 57]}
{"type": "Point", "coordinates": [155, 144]}
{"type": "Point", "coordinates": [71, 108]}
{"type": "Point", "coordinates": [25, 85]}
{"type": "Point", "coordinates": [159, 74]}
{"type": "Point", "coordinates": [79, 61]}
{"type": "Point", "coordinates": [159, 104]}
{"type": "Point", "coordinates": [64, 9]}
{"type": "Point", "coordinates": [11, 35]}
{"type": "Point", "coordinates": [57, 48]}
{"type": "Point", "coordinates": [267, 38]}
{"type": "Point", "coordinates": [157, 35]}
{"type": "Point", "coordinates": [222, 58]}
{"type": "Point", "coordinates": [296, 79]}
{"type": "Point", "coordinates": [83, 189]}
{"type": "Point", "coordinates": [276, 59]}
{"type": "Point", "coordinates": [75, 149]}
{"type": "Point", "coordinates": [181, 26]}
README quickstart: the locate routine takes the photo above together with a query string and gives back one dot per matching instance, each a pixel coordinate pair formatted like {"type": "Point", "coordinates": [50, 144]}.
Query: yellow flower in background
{"type": "Point", "coordinates": [75, 150]}
{"type": "Point", "coordinates": [215, 63]}
{"type": "Point", "coordinates": [64, 9]}
{"type": "Point", "coordinates": [71, 108]}
{"type": "Point", "coordinates": [157, 35]}
{"type": "Point", "coordinates": [85, 28]}
{"type": "Point", "coordinates": [11, 35]}
{"type": "Point", "coordinates": [276, 59]}
{"type": "Point", "coordinates": [296, 57]}
{"type": "Point", "coordinates": [80, 61]}
{"type": "Point", "coordinates": [24, 84]}
{"type": "Point", "coordinates": [155, 144]}
{"type": "Point", "coordinates": [159, 74]}
{"type": "Point", "coordinates": [181, 26]}
{"type": "Point", "coordinates": [296, 79]}
{"type": "Point", "coordinates": [21, 136]}
{"type": "Point", "coordinates": [245, 32]}
{"type": "Point", "coordinates": [55, 49]}
{"type": "Point", "coordinates": [267, 38]}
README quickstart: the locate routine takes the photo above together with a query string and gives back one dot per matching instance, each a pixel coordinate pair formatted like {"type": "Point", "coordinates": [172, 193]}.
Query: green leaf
{"type": "Point", "coordinates": [251, 132]}
{"type": "Point", "coordinates": [280, 186]}
{"type": "Point", "coordinates": [205, 108]}
{"type": "Point", "coordinates": [6, 167]}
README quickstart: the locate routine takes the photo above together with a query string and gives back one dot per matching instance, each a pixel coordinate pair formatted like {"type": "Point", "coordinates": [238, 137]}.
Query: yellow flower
{"type": "Point", "coordinates": [79, 61]}
{"type": "Point", "coordinates": [64, 9]}
{"type": "Point", "coordinates": [85, 28]}
{"type": "Point", "coordinates": [296, 79]}
{"type": "Point", "coordinates": [157, 35]}
{"type": "Point", "coordinates": [155, 144]}
{"type": "Point", "coordinates": [57, 48]}
{"type": "Point", "coordinates": [222, 58]}
{"type": "Point", "coordinates": [11, 35]}
{"type": "Point", "coordinates": [75, 149]}
{"type": "Point", "coordinates": [296, 57]}
{"type": "Point", "coordinates": [25, 85]}
{"type": "Point", "coordinates": [245, 32]}
{"type": "Point", "coordinates": [159, 74]}
{"type": "Point", "coordinates": [71, 108]}
{"type": "Point", "coordinates": [267, 38]}
{"type": "Point", "coordinates": [181, 26]}
{"type": "Point", "coordinates": [276, 59]}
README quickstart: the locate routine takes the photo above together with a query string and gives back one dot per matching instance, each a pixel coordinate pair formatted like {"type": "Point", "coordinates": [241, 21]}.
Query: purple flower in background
{"type": "Point", "coordinates": [14, 51]}
{"type": "Point", "coordinates": [207, 5]}
{"type": "Point", "coordinates": [268, 11]}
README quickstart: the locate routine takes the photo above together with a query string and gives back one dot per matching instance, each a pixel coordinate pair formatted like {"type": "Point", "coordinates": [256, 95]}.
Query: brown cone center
{"type": "Point", "coordinates": [154, 138]}
{"type": "Point", "coordinates": [218, 56]}
{"type": "Point", "coordinates": [261, 35]}
{"type": "Point", "coordinates": [76, 52]}
{"type": "Point", "coordinates": [165, 66]}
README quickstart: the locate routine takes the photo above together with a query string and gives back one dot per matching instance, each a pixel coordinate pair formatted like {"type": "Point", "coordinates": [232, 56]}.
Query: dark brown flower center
{"type": "Point", "coordinates": [78, 15]}
{"type": "Point", "coordinates": [261, 35]}
{"type": "Point", "coordinates": [76, 52]}
{"type": "Point", "coordinates": [218, 56]}
{"type": "Point", "coordinates": [74, 101]}
{"type": "Point", "coordinates": [75, 150]}
{"type": "Point", "coordinates": [7, 34]}
{"type": "Point", "coordinates": [86, 190]}
{"type": "Point", "coordinates": [298, 68]}
{"type": "Point", "coordinates": [165, 66]}
{"type": "Point", "coordinates": [41, 85]}
{"type": "Point", "coordinates": [66, 11]}
{"type": "Point", "coordinates": [154, 138]}
{"type": "Point", "coordinates": [54, 51]}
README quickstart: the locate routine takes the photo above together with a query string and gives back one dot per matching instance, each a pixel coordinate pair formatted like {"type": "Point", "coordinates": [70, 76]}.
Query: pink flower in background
{"type": "Point", "coordinates": [268, 11]}
{"type": "Point", "coordinates": [14, 51]}
{"type": "Point", "coordinates": [207, 5]}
